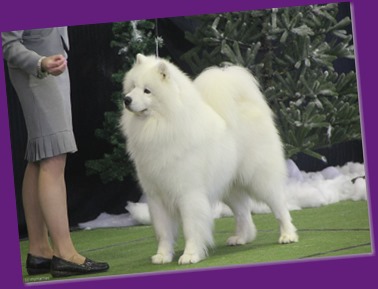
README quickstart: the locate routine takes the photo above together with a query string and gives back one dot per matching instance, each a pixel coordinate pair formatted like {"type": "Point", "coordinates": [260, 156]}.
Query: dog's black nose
{"type": "Point", "coordinates": [127, 100]}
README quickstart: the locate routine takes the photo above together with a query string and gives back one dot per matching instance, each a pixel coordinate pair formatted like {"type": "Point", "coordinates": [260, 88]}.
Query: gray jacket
{"type": "Point", "coordinates": [23, 48]}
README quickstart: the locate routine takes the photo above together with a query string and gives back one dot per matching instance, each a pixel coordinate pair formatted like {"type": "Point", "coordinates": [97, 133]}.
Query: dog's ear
{"type": "Point", "coordinates": [163, 70]}
{"type": "Point", "coordinates": [140, 58]}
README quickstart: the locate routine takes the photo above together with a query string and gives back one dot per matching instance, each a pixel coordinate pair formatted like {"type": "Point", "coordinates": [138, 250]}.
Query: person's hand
{"type": "Point", "coordinates": [54, 65]}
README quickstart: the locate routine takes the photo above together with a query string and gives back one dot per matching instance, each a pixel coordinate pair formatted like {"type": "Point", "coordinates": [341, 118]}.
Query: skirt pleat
{"type": "Point", "coordinates": [51, 145]}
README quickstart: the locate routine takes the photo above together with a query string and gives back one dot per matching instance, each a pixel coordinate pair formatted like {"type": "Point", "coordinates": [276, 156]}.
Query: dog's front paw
{"type": "Point", "coordinates": [288, 238]}
{"type": "Point", "coordinates": [189, 259]}
{"type": "Point", "coordinates": [236, 241]}
{"type": "Point", "coordinates": [161, 259]}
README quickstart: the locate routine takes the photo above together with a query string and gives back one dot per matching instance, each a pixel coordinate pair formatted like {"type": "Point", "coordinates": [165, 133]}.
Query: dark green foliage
{"type": "Point", "coordinates": [130, 38]}
{"type": "Point", "coordinates": [292, 52]}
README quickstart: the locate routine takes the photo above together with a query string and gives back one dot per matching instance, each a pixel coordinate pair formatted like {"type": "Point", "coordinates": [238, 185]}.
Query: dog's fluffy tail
{"type": "Point", "coordinates": [233, 92]}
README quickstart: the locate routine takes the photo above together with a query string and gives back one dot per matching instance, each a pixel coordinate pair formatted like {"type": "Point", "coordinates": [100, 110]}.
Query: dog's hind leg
{"type": "Point", "coordinates": [272, 194]}
{"type": "Point", "coordinates": [287, 229]}
{"type": "Point", "coordinates": [245, 230]}
{"type": "Point", "coordinates": [166, 228]}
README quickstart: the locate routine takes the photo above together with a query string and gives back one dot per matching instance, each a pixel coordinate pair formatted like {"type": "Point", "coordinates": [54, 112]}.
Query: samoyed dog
{"type": "Point", "coordinates": [195, 143]}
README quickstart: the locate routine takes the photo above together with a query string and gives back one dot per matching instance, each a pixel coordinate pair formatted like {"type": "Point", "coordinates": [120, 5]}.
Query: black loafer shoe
{"type": "Point", "coordinates": [37, 265]}
{"type": "Point", "coordinates": [63, 268]}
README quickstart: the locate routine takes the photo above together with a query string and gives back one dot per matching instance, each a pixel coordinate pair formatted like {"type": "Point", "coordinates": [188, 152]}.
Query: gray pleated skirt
{"type": "Point", "coordinates": [46, 105]}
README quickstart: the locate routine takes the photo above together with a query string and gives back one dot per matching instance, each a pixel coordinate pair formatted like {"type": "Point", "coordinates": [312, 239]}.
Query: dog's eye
{"type": "Point", "coordinates": [147, 91]}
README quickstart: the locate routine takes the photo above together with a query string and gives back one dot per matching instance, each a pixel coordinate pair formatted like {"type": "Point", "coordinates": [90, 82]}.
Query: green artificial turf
{"type": "Point", "coordinates": [340, 229]}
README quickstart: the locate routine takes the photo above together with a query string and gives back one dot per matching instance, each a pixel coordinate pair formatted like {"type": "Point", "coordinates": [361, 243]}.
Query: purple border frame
{"type": "Point", "coordinates": [342, 272]}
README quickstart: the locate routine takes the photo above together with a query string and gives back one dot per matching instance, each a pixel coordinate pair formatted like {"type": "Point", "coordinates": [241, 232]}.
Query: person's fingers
{"type": "Point", "coordinates": [58, 69]}
{"type": "Point", "coordinates": [59, 59]}
{"type": "Point", "coordinates": [55, 64]}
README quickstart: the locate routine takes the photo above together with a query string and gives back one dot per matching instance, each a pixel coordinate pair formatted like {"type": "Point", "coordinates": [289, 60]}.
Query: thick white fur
{"type": "Point", "coordinates": [194, 143]}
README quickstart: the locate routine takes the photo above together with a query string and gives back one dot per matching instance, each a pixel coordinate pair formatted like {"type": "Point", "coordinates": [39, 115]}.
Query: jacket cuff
{"type": "Point", "coordinates": [40, 72]}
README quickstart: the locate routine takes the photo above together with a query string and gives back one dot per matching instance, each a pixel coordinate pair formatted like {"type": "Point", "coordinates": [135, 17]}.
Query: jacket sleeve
{"type": "Point", "coordinates": [17, 55]}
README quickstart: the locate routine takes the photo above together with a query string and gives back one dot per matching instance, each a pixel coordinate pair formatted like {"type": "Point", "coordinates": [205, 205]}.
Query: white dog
{"type": "Point", "coordinates": [194, 143]}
